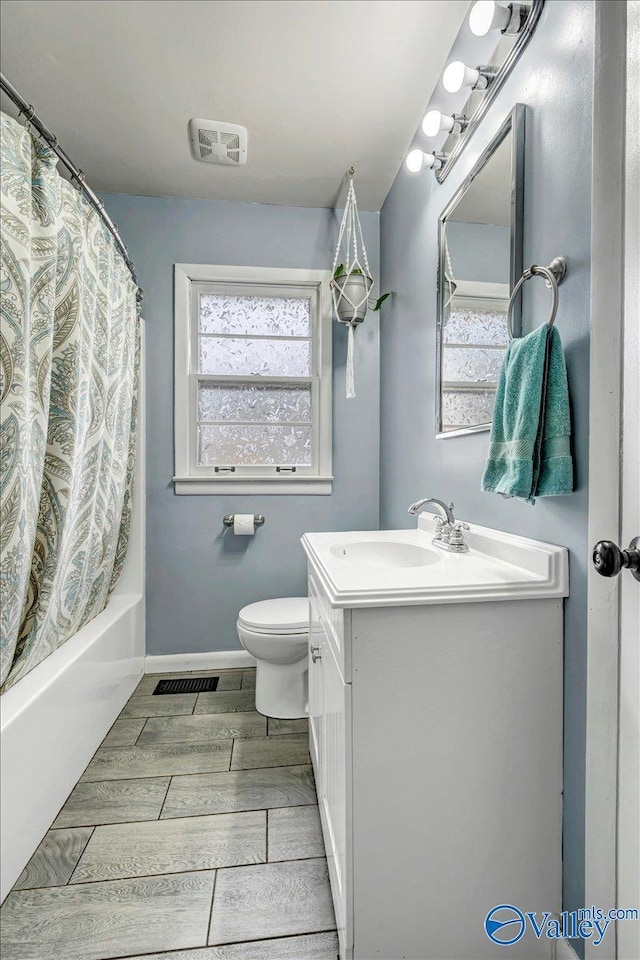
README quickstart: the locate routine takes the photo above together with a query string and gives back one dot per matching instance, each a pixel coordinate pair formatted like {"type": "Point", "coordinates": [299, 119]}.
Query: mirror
{"type": "Point", "coordinates": [480, 261]}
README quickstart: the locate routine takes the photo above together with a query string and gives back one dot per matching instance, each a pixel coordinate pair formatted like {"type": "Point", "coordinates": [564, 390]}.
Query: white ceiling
{"type": "Point", "coordinates": [319, 85]}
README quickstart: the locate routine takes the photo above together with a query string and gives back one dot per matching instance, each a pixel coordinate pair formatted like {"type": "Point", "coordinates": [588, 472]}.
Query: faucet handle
{"type": "Point", "coordinates": [442, 530]}
{"type": "Point", "coordinates": [456, 540]}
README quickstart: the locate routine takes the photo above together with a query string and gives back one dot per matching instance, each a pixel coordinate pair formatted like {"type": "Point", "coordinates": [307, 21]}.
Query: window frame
{"type": "Point", "coordinates": [191, 478]}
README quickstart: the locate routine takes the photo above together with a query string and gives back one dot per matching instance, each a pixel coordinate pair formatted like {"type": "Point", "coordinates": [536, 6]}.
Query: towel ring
{"type": "Point", "coordinates": [553, 275]}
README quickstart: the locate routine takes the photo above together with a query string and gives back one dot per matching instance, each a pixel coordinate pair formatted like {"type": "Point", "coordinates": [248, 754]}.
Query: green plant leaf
{"type": "Point", "coordinates": [341, 272]}
{"type": "Point", "coordinates": [381, 300]}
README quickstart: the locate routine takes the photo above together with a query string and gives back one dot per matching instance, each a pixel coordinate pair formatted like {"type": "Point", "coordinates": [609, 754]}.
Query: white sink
{"type": "Point", "coordinates": [383, 568]}
{"type": "Point", "coordinates": [385, 553]}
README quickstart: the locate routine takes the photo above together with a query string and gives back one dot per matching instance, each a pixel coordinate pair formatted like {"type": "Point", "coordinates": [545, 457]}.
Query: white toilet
{"type": "Point", "coordinates": [276, 632]}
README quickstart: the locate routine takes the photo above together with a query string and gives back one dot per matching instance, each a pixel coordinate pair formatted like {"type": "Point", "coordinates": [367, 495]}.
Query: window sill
{"type": "Point", "coordinates": [238, 486]}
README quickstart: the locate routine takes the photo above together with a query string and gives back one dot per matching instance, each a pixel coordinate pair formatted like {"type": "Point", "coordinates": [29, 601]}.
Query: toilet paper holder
{"type": "Point", "coordinates": [258, 519]}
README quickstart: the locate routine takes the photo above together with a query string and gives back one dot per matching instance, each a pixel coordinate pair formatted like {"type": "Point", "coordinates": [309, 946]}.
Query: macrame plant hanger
{"type": "Point", "coordinates": [449, 277]}
{"type": "Point", "coordinates": [350, 289]}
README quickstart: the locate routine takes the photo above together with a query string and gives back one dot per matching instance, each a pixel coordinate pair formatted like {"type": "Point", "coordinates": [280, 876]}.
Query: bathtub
{"type": "Point", "coordinates": [54, 718]}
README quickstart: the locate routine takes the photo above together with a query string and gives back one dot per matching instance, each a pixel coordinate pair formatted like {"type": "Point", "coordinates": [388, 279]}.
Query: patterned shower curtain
{"type": "Point", "coordinates": [69, 350]}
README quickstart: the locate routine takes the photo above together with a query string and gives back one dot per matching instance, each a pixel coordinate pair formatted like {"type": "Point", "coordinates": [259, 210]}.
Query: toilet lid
{"type": "Point", "coordinates": [284, 615]}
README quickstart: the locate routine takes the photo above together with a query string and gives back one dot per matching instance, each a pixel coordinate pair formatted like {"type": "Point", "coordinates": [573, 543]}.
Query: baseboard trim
{"type": "Point", "coordinates": [564, 951]}
{"type": "Point", "coordinates": [188, 662]}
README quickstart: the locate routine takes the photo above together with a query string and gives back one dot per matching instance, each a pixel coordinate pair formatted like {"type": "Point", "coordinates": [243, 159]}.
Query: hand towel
{"type": "Point", "coordinates": [530, 451]}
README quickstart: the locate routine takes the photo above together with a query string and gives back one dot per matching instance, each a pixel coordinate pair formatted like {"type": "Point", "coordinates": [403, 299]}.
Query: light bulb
{"type": "Point", "coordinates": [434, 122]}
{"type": "Point", "coordinates": [417, 159]}
{"type": "Point", "coordinates": [488, 15]}
{"type": "Point", "coordinates": [457, 75]}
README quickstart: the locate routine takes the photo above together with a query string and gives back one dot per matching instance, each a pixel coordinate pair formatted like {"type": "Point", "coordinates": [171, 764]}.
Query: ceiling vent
{"type": "Point", "coordinates": [217, 142]}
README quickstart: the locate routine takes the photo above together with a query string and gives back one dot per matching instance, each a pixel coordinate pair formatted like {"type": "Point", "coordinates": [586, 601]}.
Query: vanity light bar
{"type": "Point", "coordinates": [485, 15]}
{"type": "Point", "coordinates": [456, 76]}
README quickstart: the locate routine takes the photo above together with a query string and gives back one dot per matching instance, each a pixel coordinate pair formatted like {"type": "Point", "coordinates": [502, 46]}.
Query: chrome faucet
{"type": "Point", "coordinates": [447, 509]}
{"type": "Point", "coordinates": [449, 533]}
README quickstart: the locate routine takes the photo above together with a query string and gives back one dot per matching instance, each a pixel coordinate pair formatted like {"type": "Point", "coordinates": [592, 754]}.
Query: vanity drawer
{"type": "Point", "coordinates": [335, 623]}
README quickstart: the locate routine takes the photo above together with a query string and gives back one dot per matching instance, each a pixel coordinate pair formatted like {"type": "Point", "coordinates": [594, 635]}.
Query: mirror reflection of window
{"type": "Point", "coordinates": [474, 342]}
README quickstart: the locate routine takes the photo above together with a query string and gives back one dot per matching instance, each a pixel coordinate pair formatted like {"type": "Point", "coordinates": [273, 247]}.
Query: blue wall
{"type": "Point", "coordinates": [198, 577]}
{"type": "Point", "coordinates": [554, 79]}
{"type": "Point", "coordinates": [479, 251]}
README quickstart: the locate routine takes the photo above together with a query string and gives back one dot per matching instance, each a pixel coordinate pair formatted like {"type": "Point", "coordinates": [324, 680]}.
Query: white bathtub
{"type": "Point", "coordinates": [54, 718]}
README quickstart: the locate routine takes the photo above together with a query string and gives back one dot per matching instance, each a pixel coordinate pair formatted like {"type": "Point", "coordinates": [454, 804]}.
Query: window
{"type": "Point", "coordinates": [252, 380]}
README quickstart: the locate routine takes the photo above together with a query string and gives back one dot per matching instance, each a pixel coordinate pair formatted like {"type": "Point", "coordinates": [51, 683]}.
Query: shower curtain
{"type": "Point", "coordinates": [68, 400]}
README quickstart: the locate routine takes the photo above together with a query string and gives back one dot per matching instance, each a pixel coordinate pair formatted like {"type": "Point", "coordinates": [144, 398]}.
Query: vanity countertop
{"type": "Point", "coordinates": [383, 568]}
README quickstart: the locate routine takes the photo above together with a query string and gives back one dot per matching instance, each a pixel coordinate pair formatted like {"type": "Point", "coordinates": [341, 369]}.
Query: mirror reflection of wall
{"type": "Point", "coordinates": [477, 262]}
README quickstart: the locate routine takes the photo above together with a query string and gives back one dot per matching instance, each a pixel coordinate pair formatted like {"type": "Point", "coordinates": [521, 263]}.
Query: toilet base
{"type": "Point", "coordinates": [281, 689]}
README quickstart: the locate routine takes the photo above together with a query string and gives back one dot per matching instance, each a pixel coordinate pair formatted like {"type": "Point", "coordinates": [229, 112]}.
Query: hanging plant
{"type": "Point", "coordinates": [351, 280]}
{"type": "Point", "coordinates": [354, 288]}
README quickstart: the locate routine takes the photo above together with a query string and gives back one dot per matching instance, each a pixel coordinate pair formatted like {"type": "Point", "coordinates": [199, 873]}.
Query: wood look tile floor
{"type": "Point", "coordinates": [193, 834]}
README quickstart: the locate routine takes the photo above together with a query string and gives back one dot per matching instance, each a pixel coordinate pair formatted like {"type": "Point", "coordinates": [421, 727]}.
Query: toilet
{"type": "Point", "coordinates": [276, 632]}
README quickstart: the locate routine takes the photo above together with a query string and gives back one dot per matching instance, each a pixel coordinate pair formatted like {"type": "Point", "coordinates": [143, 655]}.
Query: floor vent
{"type": "Point", "coordinates": [187, 685]}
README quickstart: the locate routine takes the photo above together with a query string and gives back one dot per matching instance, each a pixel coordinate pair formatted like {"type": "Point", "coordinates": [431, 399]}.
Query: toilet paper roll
{"type": "Point", "coordinates": [243, 525]}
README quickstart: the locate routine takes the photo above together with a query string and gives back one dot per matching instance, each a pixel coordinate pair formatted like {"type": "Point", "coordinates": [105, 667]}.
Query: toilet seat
{"type": "Point", "coordinates": [285, 616]}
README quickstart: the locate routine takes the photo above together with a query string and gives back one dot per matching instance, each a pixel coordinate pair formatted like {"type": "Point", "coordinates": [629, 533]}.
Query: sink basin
{"type": "Point", "coordinates": [385, 553]}
{"type": "Point", "coordinates": [385, 568]}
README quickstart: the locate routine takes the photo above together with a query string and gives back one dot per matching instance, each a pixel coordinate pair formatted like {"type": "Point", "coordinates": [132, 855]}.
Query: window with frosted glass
{"type": "Point", "coordinates": [254, 384]}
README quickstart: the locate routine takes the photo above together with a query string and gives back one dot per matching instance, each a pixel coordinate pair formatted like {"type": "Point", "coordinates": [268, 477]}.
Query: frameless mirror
{"type": "Point", "coordinates": [480, 261]}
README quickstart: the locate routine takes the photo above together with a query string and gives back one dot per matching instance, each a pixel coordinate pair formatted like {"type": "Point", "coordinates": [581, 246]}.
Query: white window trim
{"type": "Point", "coordinates": [186, 481]}
{"type": "Point", "coordinates": [479, 295]}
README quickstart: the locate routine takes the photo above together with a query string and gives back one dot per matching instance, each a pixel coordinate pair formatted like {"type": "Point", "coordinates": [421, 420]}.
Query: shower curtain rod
{"type": "Point", "coordinates": [77, 175]}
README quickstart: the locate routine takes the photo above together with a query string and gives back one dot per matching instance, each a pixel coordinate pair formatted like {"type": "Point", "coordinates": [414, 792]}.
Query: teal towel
{"type": "Point", "coordinates": [530, 452]}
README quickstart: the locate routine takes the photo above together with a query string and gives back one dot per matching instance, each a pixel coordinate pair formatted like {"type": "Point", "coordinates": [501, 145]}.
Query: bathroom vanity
{"type": "Point", "coordinates": [435, 702]}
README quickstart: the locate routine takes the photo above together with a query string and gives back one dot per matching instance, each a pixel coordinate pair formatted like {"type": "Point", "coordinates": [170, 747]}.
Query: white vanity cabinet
{"type": "Point", "coordinates": [330, 746]}
{"type": "Point", "coordinates": [436, 741]}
